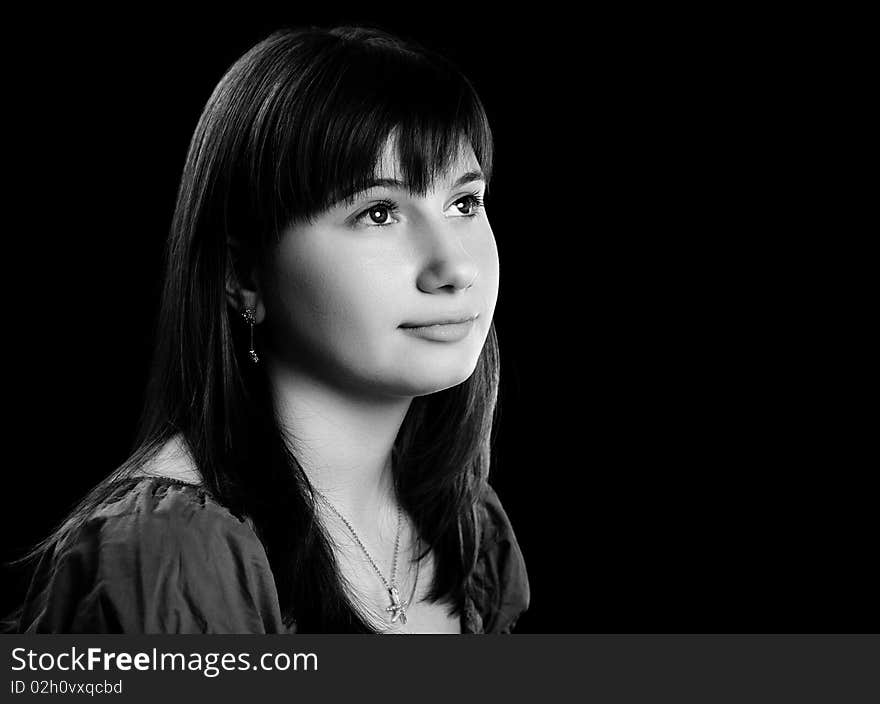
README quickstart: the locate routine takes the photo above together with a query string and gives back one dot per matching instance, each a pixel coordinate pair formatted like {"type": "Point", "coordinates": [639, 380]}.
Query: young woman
{"type": "Point", "coordinates": [315, 444]}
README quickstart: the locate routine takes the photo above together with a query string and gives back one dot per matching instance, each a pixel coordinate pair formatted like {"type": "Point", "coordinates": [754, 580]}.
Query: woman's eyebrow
{"type": "Point", "coordinates": [466, 177]}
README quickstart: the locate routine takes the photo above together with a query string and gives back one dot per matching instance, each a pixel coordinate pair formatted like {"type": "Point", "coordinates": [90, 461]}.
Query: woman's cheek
{"type": "Point", "coordinates": [489, 270]}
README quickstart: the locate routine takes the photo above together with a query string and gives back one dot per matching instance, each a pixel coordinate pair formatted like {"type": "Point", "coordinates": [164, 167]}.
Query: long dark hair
{"type": "Point", "coordinates": [295, 125]}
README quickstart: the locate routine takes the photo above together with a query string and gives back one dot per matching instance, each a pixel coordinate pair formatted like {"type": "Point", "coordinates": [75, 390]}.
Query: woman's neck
{"type": "Point", "coordinates": [342, 441]}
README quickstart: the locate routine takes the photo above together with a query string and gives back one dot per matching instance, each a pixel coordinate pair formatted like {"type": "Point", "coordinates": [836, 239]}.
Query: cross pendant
{"type": "Point", "coordinates": [397, 607]}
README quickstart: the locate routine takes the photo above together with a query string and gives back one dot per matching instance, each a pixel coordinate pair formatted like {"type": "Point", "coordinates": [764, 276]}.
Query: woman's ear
{"type": "Point", "coordinates": [246, 294]}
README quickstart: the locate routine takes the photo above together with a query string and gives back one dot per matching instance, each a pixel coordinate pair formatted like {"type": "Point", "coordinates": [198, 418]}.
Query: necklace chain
{"type": "Point", "coordinates": [397, 608]}
{"type": "Point", "coordinates": [361, 545]}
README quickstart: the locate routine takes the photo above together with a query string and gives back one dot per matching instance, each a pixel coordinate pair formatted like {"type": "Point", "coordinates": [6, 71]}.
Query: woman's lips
{"type": "Point", "coordinates": [442, 331]}
{"type": "Point", "coordinates": [453, 319]}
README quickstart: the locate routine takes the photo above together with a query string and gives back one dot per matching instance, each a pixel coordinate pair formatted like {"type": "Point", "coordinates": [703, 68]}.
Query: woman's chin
{"type": "Point", "coordinates": [430, 381]}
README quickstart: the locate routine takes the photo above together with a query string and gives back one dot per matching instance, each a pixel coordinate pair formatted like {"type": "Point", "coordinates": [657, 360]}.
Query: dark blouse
{"type": "Point", "coordinates": [163, 556]}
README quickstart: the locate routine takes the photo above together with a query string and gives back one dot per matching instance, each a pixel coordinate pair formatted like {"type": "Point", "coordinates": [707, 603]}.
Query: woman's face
{"type": "Point", "coordinates": [341, 291]}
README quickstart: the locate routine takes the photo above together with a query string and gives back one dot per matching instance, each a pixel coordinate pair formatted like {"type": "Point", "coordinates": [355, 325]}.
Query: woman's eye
{"type": "Point", "coordinates": [469, 205]}
{"type": "Point", "coordinates": [377, 215]}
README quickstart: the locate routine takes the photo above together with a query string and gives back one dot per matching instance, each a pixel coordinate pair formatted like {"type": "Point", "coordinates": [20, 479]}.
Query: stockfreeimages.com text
{"type": "Point", "coordinates": [209, 664]}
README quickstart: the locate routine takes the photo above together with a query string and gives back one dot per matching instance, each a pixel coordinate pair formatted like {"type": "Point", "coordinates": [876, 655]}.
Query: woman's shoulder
{"type": "Point", "coordinates": [500, 578]}
{"type": "Point", "coordinates": [174, 461]}
{"type": "Point", "coordinates": [143, 508]}
{"type": "Point", "coordinates": [164, 491]}
{"type": "Point", "coordinates": [170, 483]}
{"type": "Point", "coordinates": [494, 519]}
{"type": "Point", "coordinates": [158, 555]}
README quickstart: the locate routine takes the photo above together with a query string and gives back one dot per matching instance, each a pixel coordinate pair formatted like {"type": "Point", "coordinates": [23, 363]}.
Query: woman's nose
{"type": "Point", "coordinates": [447, 264]}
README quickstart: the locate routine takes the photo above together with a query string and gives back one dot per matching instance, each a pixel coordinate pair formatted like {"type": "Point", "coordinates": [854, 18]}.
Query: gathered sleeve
{"type": "Point", "coordinates": [500, 580]}
{"type": "Point", "coordinates": [166, 558]}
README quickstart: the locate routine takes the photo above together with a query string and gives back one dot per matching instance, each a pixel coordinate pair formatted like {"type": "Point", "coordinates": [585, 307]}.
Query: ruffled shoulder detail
{"type": "Point", "coordinates": [159, 556]}
{"type": "Point", "coordinates": [500, 583]}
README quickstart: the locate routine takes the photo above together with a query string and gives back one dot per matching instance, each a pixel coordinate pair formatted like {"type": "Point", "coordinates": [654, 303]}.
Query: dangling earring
{"type": "Point", "coordinates": [249, 315]}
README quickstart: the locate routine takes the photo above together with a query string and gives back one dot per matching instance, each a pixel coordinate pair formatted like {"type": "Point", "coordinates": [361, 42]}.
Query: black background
{"type": "Point", "coordinates": [663, 451]}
